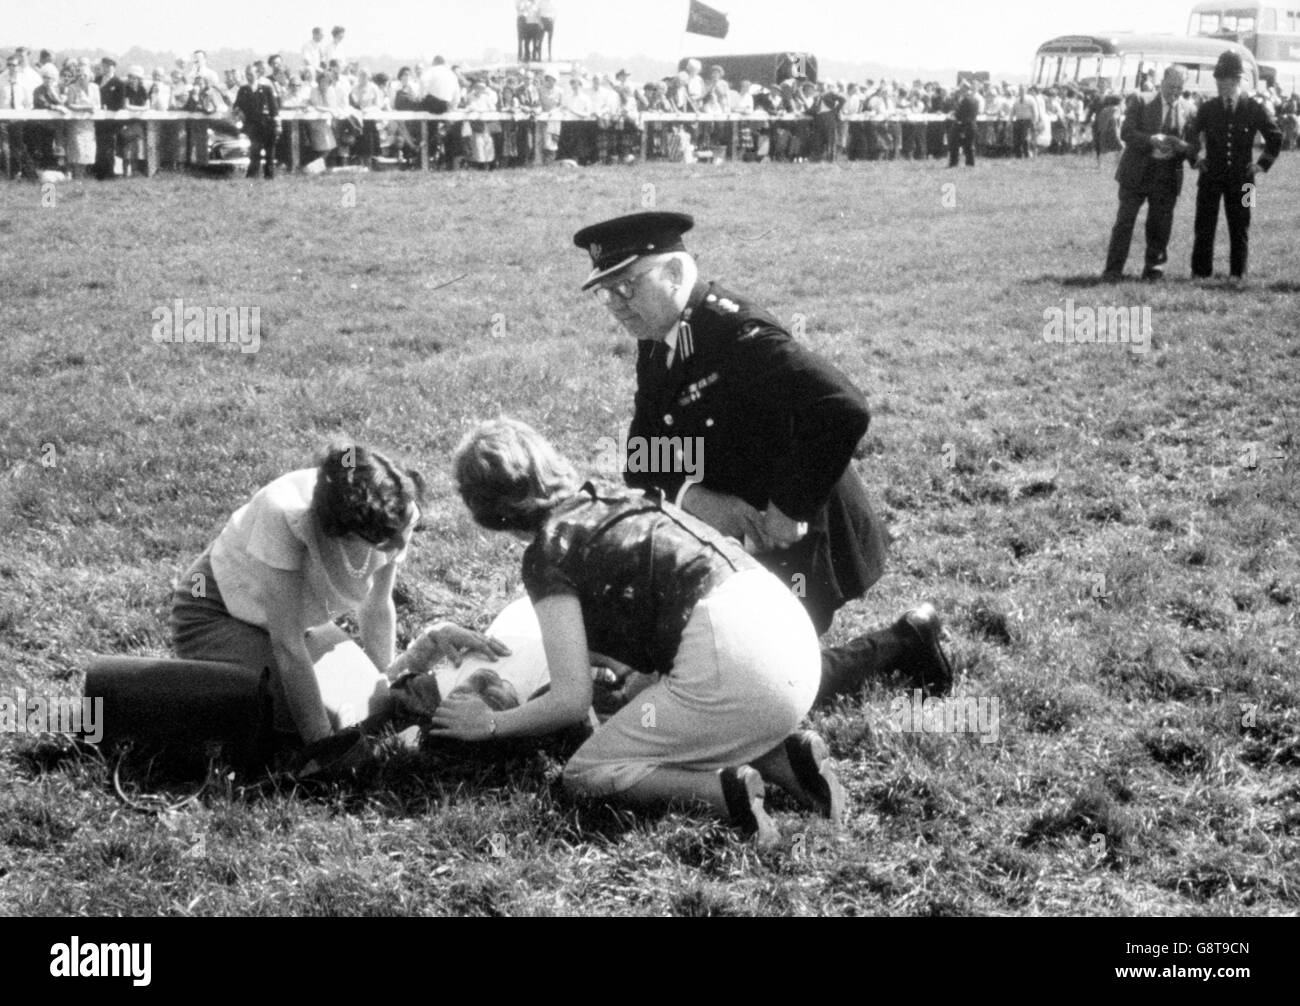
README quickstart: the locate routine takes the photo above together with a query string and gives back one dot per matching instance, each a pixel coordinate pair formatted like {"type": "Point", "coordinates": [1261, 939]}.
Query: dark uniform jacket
{"type": "Point", "coordinates": [258, 105]}
{"type": "Point", "coordinates": [777, 423]}
{"type": "Point", "coordinates": [1138, 169]}
{"type": "Point", "coordinates": [112, 93]}
{"type": "Point", "coordinates": [967, 109]}
{"type": "Point", "coordinates": [1229, 140]}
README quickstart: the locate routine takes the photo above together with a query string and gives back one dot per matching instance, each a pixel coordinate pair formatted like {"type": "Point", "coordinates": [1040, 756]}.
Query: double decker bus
{"type": "Point", "coordinates": [1127, 61]}
{"type": "Point", "coordinates": [1271, 31]}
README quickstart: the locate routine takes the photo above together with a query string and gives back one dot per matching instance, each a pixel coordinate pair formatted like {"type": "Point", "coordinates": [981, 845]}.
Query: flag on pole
{"type": "Point", "coordinates": [705, 20]}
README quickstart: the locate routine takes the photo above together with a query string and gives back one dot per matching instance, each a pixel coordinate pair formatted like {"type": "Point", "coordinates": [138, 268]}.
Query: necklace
{"type": "Point", "coordinates": [353, 571]}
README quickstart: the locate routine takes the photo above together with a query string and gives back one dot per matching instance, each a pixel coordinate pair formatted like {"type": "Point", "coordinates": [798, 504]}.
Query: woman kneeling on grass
{"type": "Point", "coordinates": [656, 589]}
{"type": "Point", "coordinates": [310, 546]}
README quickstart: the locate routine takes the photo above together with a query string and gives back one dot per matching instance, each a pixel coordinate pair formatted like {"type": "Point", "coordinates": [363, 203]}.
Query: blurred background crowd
{"type": "Point", "coordinates": [589, 118]}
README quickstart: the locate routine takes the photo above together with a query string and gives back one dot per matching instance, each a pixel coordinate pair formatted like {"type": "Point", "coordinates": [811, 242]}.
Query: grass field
{"type": "Point", "coordinates": [1110, 534]}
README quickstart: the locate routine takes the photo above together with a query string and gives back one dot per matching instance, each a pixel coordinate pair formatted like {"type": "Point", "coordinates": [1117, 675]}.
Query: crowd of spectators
{"type": "Point", "coordinates": [590, 118]}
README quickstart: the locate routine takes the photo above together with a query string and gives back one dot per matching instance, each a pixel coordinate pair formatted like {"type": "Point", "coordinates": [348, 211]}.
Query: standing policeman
{"type": "Point", "coordinates": [1223, 148]}
{"type": "Point", "coordinates": [259, 108]}
{"type": "Point", "coordinates": [775, 425]}
{"type": "Point", "coordinates": [961, 126]}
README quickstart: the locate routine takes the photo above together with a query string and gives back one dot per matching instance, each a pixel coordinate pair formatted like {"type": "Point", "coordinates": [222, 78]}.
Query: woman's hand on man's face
{"type": "Point", "coordinates": [463, 717]}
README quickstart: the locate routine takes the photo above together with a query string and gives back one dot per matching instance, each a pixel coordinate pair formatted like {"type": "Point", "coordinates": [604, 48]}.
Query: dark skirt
{"type": "Point", "coordinates": [204, 629]}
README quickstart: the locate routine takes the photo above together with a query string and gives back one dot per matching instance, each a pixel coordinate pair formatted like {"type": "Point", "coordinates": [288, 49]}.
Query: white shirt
{"type": "Point", "coordinates": [160, 96]}
{"type": "Point", "coordinates": [313, 53]}
{"type": "Point", "coordinates": [441, 83]}
{"type": "Point", "coordinates": [578, 102]}
{"type": "Point", "coordinates": [14, 94]}
{"type": "Point", "coordinates": [277, 530]}
{"type": "Point", "coordinates": [337, 50]}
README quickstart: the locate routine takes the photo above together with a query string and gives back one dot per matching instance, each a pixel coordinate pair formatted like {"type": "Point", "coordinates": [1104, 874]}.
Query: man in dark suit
{"type": "Point", "coordinates": [1223, 151]}
{"type": "Point", "coordinates": [961, 128]}
{"type": "Point", "coordinates": [259, 108]}
{"type": "Point", "coordinates": [773, 427]}
{"type": "Point", "coordinates": [1150, 171]}
{"type": "Point", "coordinates": [112, 96]}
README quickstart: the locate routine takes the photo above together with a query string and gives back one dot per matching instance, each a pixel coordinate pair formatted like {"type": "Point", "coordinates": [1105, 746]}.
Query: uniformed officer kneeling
{"type": "Point", "coordinates": [776, 426]}
{"type": "Point", "coordinates": [1223, 148]}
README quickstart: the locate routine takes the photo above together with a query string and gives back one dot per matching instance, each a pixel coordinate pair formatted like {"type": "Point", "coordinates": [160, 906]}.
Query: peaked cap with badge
{"type": "Point", "coordinates": [615, 244]}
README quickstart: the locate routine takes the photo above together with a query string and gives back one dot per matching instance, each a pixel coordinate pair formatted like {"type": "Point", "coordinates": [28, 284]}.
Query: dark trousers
{"type": "Point", "coordinates": [1160, 221]}
{"type": "Point", "coordinates": [1208, 193]}
{"type": "Point", "coordinates": [1023, 129]}
{"type": "Point", "coordinates": [961, 140]}
{"type": "Point", "coordinates": [105, 149]}
{"type": "Point", "coordinates": [548, 29]}
{"type": "Point", "coordinates": [828, 124]}
{"type": "Point", "coordinates": [19, 158]}
{"type": "Point", "coordinates": [874, 656]}
{"type": "Point", "coordinates": [261, 150]}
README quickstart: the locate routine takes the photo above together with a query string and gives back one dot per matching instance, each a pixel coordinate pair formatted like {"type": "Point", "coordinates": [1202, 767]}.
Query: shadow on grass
{"type": "Point", "coordinates": [1219, 283]}
{"type": "Point", "coordinates": [395, 778]}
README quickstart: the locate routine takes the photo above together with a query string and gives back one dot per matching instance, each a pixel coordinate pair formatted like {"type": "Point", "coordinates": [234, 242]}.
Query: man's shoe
{"type": "Point", "coordinates": [810, 759]}
{"type": "Point", "coordinates": [928, 664]}
{"type": "Point", "coordinates": [1112, 277]}
{"type": "Point", "coordinates": [744, 790]}
{"type": "Point", "coordinates": [1153, 275]}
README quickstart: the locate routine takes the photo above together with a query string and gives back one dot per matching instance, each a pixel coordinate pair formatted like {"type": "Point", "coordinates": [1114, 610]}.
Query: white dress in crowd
{"type": "Point", "coordinates": [80, 131]}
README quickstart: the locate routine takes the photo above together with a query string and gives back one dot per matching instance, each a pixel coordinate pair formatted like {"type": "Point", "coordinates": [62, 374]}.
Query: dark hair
{"type": "Point", "coordinates": [361, 491]}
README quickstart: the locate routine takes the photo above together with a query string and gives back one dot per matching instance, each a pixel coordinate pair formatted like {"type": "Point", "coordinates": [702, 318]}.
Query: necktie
{"type": "Point", "coordinates": [1227, 106]}
{"type": "Point", "coordinates": [1169, 118]}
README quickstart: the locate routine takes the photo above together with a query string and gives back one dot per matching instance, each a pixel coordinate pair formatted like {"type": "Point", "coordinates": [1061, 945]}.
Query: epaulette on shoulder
{"type": "Point", "coordinates": [723, 304]}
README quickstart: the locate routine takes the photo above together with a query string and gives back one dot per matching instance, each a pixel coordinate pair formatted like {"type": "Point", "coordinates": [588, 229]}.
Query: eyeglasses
{"type": "Point", "coordinates": [625, 289]}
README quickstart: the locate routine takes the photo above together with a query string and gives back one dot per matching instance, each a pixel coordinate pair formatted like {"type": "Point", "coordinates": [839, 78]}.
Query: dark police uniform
{"type": "Point", "coordinates": [1229, 149]}
{"type": "Point", "coordinates": [776, 423]}
{"type": "Point", "coordinates": [961, 131]}
{"type": "Point", "coordinates": [260, 107]}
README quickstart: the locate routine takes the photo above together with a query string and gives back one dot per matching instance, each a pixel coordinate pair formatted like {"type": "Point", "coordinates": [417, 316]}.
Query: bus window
{"type": "Point", "coordinates": [1268, 19]}
{"type": "Point", "coordinates": [1204, 24]}
{"type": "Point", "coordinates": [1109, 67]}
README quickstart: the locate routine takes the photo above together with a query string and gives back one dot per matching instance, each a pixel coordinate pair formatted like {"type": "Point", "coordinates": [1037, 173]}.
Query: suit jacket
{"type": "Point", "coordinates": [112, 93]}
{"type": "Point", "coordinates": [777, 423]}
{"type": "Point", "coordinates": [258, 105]}
{"type": "Point", "coordinates": [967, 109]}
{"type": "Point", "coordinates": [1145, 117]}
{"type": "Point", "coordinates": [1229, 140]}
{"type": "Point", "coordinates": [14, 95]}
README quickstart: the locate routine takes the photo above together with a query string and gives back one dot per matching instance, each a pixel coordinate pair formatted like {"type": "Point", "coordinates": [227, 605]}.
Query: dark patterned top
{"type": "Point", "coordinates": [636, 564]}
